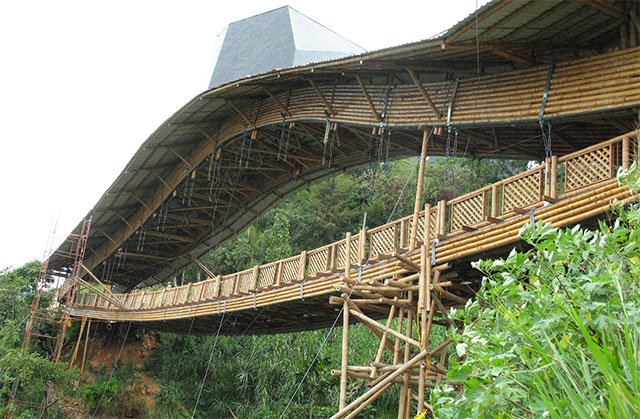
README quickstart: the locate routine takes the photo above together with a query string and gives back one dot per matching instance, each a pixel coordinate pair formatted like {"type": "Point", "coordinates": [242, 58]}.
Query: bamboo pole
{"type": "Point", "coordinates": [345, 354]}
{"type": "Point", "coordinates": [367, 319]}
{"type": "Point", "coordinates": [383, 341]}
{"type": "Point", "coordinates": [625, 153]}
{"type": "Point", "coordinates": [403, 407]}
{"type": "Point", "coordinates": [382, 384]}
{"type": "Point", "coordinates": [396, 345]}
{"type": "Point", "coordinates": [86, 345]}
{"type": "Point", "coordinates": [418, 200]}
{"type": "Point", "coordinates": [75, 351]}
{"type": "Point", "coordinates": [370, 400]}
{"type": "Point", "coordinates": [494, 201]}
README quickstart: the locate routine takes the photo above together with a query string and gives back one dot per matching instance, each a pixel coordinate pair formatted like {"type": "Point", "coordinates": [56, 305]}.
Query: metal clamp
{"type": "Point", "coordinates": [302, 290]}
{"type": "Point", "coordinates": [532, 218]}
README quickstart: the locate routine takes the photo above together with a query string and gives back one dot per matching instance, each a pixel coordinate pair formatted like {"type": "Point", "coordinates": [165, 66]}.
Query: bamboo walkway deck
{"type": "Point", "coordinates": [292, 294]}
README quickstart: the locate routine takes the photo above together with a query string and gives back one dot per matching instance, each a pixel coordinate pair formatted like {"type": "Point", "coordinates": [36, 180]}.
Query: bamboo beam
{"type": "Point", "coordinates": [376, 116]}
{"type": "Point", "coordinates": [95, 278]}
{"type": "Point", "coordinates": [370, 321]}
{"type": "Point", "coordinates": [275, 99]}
{"type": "Point", "coordinates": [246, 119]}
{"type": "Point", "coordinates": [607, 8]}
{"type": "Point", "coordinates": [512, 56]}
{"type": "Point", "coordinates": [203, 267]}
{"type": "Point", "coordinates": [424, 93]}
{"type": "Point", "coordinates": [106, 296]}
{"type": "Point", "coordinates": [322, 98]}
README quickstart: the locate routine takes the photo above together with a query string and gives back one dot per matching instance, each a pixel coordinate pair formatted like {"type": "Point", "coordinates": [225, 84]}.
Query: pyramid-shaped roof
{"type": "Point", "coordinates": [279, 38]}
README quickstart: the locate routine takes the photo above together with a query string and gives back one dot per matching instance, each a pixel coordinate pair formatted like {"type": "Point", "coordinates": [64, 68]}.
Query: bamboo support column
{"type": "Point", "coordinates": [404, 404]}
{"type": "Point", "coordinates": [75, 351]}
{"type": "Point", "coordinates": [625, 153]}
{"type": "Point", "coordinates": [254, 278]}
{"type": "Point", "coordinates": [302, 264]}
{"type": "Point", "coordinates": [86, 345]}
{"type": "Point", "coordinates": [362, 250]}
{"type": "Point", "coordinates": [347, 256]}
{"type": "Point", "coordinates": [494, 201]}
{"type": "Point", "coordinates": [345, 326]}
{"type": "Point", "coordinates": [216, 287]}
{"type": "Point", "coordinates": [345, 354]}
{"type": "Point", "coordinates": [418, 200]}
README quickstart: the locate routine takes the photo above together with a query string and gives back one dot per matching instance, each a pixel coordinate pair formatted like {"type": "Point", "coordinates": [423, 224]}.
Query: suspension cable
{"type": "Point", "coordinates": [204, 379]}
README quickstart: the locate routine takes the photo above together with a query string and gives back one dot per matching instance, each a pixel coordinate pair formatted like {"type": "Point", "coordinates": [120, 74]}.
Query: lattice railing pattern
{"type": "Point", "coordinates": [246, 281]}
{"type": "Point", "coordinates": [290, 269]}
{"type": "Point", "coordinates": [419, 231]}
{"type": "Point", "coordinates": [318, 261]}
{"type": "Point", "coordinates": [523, 191]}
{"type": "Point", "coordinates": [267, 275]}
{"type": "Point", "coordinates": [341, 251]}
{"type": "Point", "coordinates": [383, 240]}
{"type": "Point", "coordinates": [589, 168]}
{"type": "Point", "coordinates": [469, 211]}
{"type": "Point", "coordinates": [226, 287]}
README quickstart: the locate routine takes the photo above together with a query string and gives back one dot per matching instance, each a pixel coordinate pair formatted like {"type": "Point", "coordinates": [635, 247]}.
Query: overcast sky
{"type": "Point", "coordinates": [84, 83]}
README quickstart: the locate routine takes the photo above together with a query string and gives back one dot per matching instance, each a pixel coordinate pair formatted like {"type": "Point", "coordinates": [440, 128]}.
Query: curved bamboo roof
{"type": "Point", "coordinates": [234, 151]}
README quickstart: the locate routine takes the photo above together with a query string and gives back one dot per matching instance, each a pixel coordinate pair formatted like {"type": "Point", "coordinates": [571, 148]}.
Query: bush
{"type": "Point", "coordinates": [555, 331]}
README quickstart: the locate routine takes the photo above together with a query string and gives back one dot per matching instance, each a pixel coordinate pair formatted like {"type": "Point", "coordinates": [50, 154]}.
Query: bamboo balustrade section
{"type": "Point", "coordinates": [582, 184]}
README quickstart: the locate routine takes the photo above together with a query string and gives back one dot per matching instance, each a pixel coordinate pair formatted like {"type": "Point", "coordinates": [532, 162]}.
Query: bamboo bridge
{"type": "Point", "coordinates": [294, 291]}
{"type": "Point", "coordinates": [235, 151]}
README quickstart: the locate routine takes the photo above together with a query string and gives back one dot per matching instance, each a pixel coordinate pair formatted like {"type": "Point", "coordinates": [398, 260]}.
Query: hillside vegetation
{"type": "Point", "coordinates": [553, 332]}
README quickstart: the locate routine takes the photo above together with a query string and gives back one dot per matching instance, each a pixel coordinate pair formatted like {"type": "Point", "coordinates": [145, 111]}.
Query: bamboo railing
{"type": "Point", "coordinates": [503, 203]}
